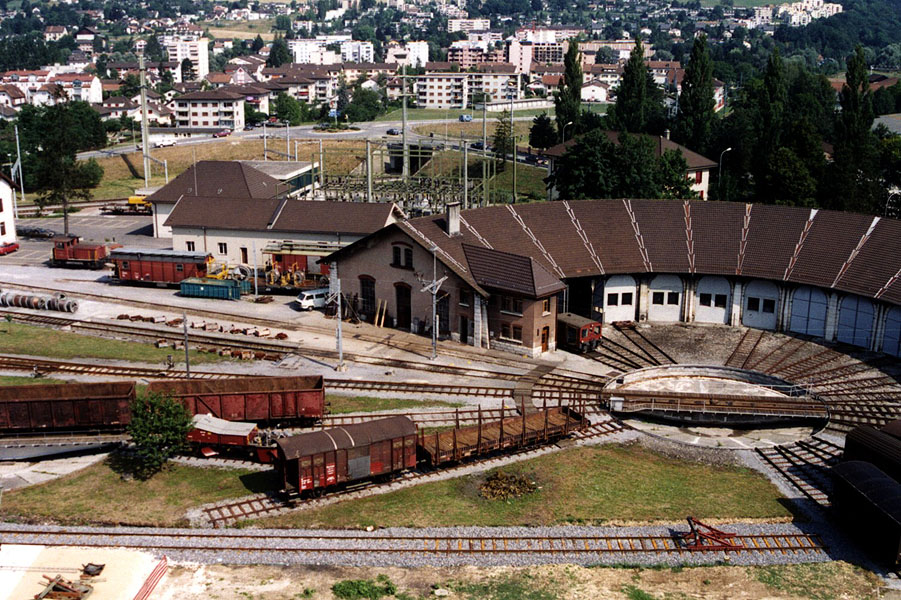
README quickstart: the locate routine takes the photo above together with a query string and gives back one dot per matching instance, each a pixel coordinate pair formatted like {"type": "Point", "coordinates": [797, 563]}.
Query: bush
{"type": "Point", "coordinates": [360, 589]}
{"type": "Point", "coordinates": [159, 429]}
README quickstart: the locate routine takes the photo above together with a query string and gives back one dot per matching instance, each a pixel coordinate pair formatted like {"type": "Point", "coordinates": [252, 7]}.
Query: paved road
{"type": "Point", "coordinates": [128, 230]}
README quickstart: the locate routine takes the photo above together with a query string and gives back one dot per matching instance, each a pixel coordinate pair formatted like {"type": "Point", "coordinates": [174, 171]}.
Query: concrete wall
{"type": "Point", "coordinates": [161, 212]}
{"type": "Point", "coordinates": [208, 240]}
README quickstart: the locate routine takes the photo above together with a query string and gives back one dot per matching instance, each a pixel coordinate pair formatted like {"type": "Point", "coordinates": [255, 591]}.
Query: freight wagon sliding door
{"type": "Point", "coordinates": [358, 462]}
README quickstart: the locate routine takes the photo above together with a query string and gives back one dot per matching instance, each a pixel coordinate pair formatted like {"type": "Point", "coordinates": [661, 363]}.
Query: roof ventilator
{"type": "Point", "coordinates": [743, 245]}
{"type": "Point", "coordinates": [584, 237]}
{"type": "Point", "coordinates": [856, 251]}
{"type": "Point", "coordinates": [641, 249]}
{"type": "Point", "coordinates": [547, 255]}
{"type": "Point", "coordinates": [689, 238]}
{"type": "Point", "coordinates": [800, 244]}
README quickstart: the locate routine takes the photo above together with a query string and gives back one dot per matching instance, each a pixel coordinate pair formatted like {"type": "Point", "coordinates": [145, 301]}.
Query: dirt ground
{"type": "Point", "coordinates": [837, 581]}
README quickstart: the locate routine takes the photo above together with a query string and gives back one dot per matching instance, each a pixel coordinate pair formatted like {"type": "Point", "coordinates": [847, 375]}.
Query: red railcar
{"type": "Point", "coordinates": [68, 406]}
{"type": "Point", "coordinates": [257, 399]}
{"type": "Point", "coordinates": [68, 251]}
{"type": "Point", "coordinates": [328, 458]}
{"type": "Point", "coordinates": [157, 266]}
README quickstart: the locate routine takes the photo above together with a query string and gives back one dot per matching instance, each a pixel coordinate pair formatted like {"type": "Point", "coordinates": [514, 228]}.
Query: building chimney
{"type": "Point", "coordinates": [452, 218]}
{"type": "Point", "coordinates": [666, 133]}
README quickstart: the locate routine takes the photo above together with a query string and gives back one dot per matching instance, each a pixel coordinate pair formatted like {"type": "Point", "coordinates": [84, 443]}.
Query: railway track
{"type": "Point", "coordinates": [744, 349]}
{"type": "Point", "coordinates": [805, 465]}
{"type": "Point", "coordinates": [264, 505]}
{"type": "Point", "coordinates": [653, 353]}
{"type": "Point", "coordinates": [349, 543]}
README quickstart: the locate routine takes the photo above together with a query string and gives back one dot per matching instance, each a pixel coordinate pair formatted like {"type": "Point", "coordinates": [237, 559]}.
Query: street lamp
{"type": "Point", "coordinates": [563, 132]}
{"type": "Point", "coordinates": [719, 177]}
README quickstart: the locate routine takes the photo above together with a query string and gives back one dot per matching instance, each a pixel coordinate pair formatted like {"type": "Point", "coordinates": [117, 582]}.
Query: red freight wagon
{"type": "Point", "coordinates": [158, 266]}
{"type": "Point", "coordinates": [66, 406]}
{"type": "Point", "coordinates": [258, 399]}
{"type": "Point", "coordinates": [68, 251]}
{"type": "Point", "coordinates": [330, 457]}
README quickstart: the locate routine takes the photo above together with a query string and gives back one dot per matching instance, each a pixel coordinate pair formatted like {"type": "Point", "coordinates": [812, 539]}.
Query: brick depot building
{"type": "Point", "coordinates": [510, 268]}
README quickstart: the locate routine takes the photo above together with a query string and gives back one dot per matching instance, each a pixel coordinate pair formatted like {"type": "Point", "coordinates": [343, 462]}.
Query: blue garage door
{"type": "Point", "coordinates": [808, 312]}
{"type": "Point", "coordinates": [855, 321]}
{"type": "Point", "coordinates": [891, 342]}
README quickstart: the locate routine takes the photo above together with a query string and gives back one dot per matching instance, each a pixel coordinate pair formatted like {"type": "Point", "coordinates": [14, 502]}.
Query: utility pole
{"type": "Point", "coordinates": [465, 176]}
{"type": "Point", "coordinates": [513, 138]}
{"type": "Point", "coordinates": [403, 131]}
{"type": "Point", "coordinates": [21, 175]}
{"type": "Point", "coordinates": [265, 150]}
{"type": "Point", "coordinates": [433, 288]}
{"type": "Point", "coordinates": [145, 147]}
{"type": "Point", "coordinates": [485, 147]}
{"type": "Point", "coordinates": [184, 322]}
{"type": "Point", "coordinates": [336, 297]}
{"type": "Point", "coordinates": [287, 141]}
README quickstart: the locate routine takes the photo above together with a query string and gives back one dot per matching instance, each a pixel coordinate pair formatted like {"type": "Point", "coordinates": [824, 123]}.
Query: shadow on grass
{"type": "Point", "coordinates": [260, 482]}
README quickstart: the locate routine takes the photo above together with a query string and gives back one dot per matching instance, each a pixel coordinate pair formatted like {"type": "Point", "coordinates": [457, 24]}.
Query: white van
{"type": "Point", "coordinates": [311, 299]}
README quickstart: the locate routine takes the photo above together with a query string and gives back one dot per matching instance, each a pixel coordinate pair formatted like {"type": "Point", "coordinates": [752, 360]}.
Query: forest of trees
{"type": "Point", "coordinates": [783, 142]}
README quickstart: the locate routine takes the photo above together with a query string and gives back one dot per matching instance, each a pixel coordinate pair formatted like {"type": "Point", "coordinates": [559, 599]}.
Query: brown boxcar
{"type": "Point", "coordinates": [157, 266]}
{"type": "Point", "coordinates": [257, 399]}
{"type": "Point", "coordinates": [322, 459]}
{"type": "Point", "coordinates": [68, 251]}
{"type": "Point", "coordinates": [873, 446]}
{"type": "Point", "coordinates": [66, 406]}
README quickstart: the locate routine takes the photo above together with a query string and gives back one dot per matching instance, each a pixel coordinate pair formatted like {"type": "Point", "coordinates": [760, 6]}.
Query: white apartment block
{"type": "Point", "coordinates": [547, 35]}
{"type": "Point", "coordinates": [197, 51]}
{"type": "Point", "coordinates": [411, 54]}
{"type": "Point", "coordinates": [460, 90]}
{"type": "Point", "coordinates": [312, 52]}
{"type": "Point", "coordinates": [468, 25]}
{"type": "Point", "coordinates": [354, 51]}
{"type": "Point", "coordinates": [7, 211]}
{"type": "Point", "coordinates": [210, 109]}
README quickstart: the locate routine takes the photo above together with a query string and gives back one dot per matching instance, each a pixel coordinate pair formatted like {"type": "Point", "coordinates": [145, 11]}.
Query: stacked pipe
{"type": "Point", "coordinates": [58, 302]}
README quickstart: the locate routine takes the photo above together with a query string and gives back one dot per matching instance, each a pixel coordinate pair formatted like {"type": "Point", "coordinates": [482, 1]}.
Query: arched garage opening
{"type": "Point", "coordinates": [808, 311]}
{"type": "Point", "coordinates": [665, 294]}
{"type": "Point", "coordinates": [891, 341]}
{"type": "Point", "coordinates": [760, 305]}
{"type": "Point", "coordinates": [620, 298]}
{"type": "Point", "coordinates": [712, 298]}
{"type": "Point", "coordinates": [855, 321]}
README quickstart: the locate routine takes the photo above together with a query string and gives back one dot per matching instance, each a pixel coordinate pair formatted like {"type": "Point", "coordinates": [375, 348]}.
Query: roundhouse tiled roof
{"type": "Point", "coordinates": [853, 253]}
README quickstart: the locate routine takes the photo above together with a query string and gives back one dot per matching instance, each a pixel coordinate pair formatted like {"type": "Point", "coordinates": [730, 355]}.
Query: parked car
{"type": "Point", "coordinates": [393, 131]}
{"type": "Point", "coordinates": [164, 143]}
{"type": "Point", "coordinates": [223, 133]}
{"type": "Point", "coordinates": [8, 248]}
{"type": "Point", "coordinates": [248, 128]}
{"type": "Point", "coordinates": [311, 299]}
{"type": "Point", "coordinates": [34, 232]}
{"type": "Point", "coordinates": [477, 146]}
{"type": "Point", "coordinates": [465, 118]}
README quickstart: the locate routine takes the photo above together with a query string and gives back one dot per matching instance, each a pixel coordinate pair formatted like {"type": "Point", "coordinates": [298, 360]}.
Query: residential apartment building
{"type": "Point", "coordinates": [197, 51]}
{"type": "Point", "coordinates": [547, 35]}
{"type": "Point", "coordinates": [354, 51]}
{"type": "Point", "coordinates": [210, 109]}
{"type": "Point", "coordinates": [437, 89]}
{"type": "Point", "coordinates": [411, 54]}
{"type": "Point", "coordinates": [469, 54]}
{"type": "Point", "coordinates": [468, 25]}
{"type": "Point", "coordinates": [313, 52]}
